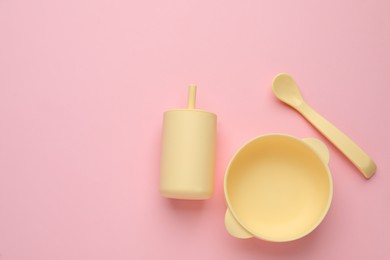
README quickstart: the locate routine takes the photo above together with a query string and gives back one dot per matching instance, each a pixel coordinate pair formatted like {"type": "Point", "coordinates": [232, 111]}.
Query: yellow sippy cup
{"type": "Point", "coordinates": [188, 152]}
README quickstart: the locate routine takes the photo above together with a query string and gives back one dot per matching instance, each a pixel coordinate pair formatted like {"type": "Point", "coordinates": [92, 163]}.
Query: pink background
{"type": "Point", "coordinates": [83, 86]}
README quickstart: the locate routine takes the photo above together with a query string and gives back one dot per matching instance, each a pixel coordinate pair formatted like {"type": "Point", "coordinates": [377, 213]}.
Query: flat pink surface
{"type": "Point", "coordinates": [84, 84]}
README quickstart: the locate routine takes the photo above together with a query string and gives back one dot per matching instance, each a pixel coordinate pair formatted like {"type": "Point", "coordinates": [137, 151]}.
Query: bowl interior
{"type": "Point", "coordinates": [278, 188]}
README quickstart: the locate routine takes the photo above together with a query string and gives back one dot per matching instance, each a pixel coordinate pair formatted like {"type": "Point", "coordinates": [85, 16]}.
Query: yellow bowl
{"type": "Point", "coordinates": [278, 188]}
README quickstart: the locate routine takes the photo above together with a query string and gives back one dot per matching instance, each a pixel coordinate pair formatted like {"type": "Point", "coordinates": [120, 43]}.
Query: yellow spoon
{"type": "Point", "coordinates": [285, 89]}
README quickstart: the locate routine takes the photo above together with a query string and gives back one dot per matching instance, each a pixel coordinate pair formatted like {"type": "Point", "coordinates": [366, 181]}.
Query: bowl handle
{"type": "Point", "coordinates": [234, 228]}
{"type": "Point", "coordinates": [319, 147]}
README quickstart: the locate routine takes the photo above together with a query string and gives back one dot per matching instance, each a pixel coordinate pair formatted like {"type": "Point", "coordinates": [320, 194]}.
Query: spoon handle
{"type": "Point", "coordinates": [349, 148]}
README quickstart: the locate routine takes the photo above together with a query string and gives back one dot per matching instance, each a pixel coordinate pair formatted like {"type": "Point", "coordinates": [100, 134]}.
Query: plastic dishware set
{"type": "Point", "coordinates": [277, 187]}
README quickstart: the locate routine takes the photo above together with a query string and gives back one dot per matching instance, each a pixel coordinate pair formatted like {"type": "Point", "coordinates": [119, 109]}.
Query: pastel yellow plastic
{"type": "Point", "coordinates": [278, 188]}
{"type": "Point", "coordinates": [319, 147]}
{"type": "Point", "coordinates": [188, 152]}
{"type": "Point", "coordinates": [234, 228]}
{"type": "Point", "coordinates": [285, 89]}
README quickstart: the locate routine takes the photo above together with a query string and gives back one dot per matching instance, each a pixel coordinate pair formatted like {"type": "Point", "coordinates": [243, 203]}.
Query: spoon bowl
{"type": "Point", "coordinates": [285, 88]}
